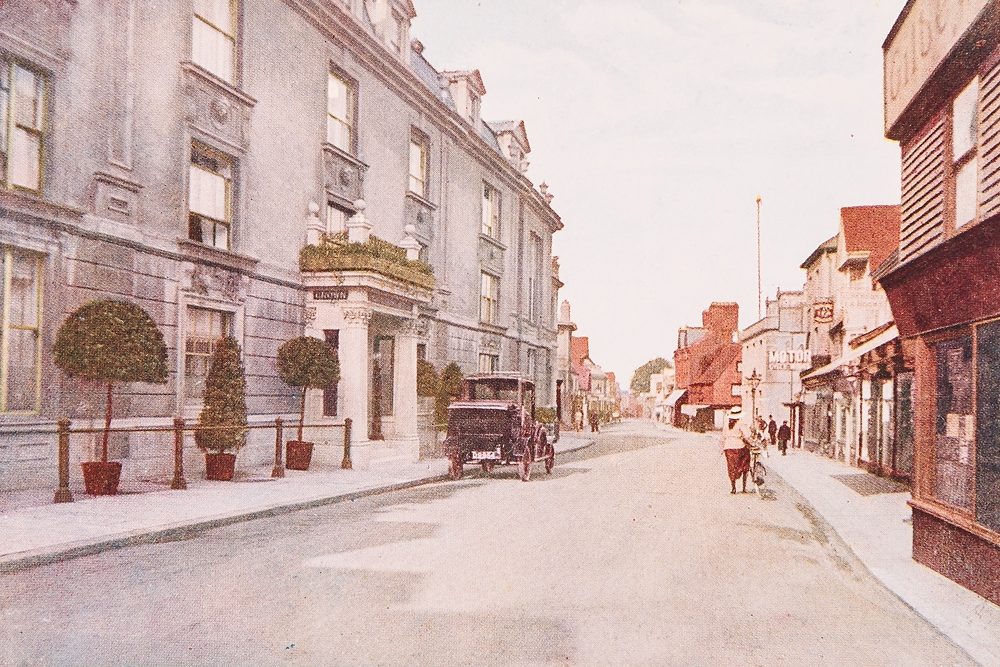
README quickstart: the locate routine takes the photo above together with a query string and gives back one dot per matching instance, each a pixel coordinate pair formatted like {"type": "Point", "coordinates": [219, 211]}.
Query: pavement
{"type": "Point", "coordinates": [879, 531]}
{"type": "Point", "coordinates": [34, 531]}
{"type": "Point", "coordinates": [632, 552]}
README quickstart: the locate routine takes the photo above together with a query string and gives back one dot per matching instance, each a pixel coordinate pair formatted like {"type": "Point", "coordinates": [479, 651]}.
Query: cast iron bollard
{"type": "Point", "coordinates": [63, 494]}
{"type": "Point", "coordinates": [178, 483]}
{"type": "Point", "coordinates": [279, 467]}
{"type": "Point", "coordinates": [346, 463]}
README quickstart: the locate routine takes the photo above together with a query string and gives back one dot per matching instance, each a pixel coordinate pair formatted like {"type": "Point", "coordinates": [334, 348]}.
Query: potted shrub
{"type": "Point", "coordinates": [307, 363]}
{"type": "Point", "coordinates": [449, 389]}
{"type": "Point", "coordinates": [110, 341]}
{"type": "Point", "coordinates": [224, 411]}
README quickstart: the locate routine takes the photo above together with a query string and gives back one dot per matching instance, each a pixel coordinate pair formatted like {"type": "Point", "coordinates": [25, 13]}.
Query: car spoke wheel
{"type": "Point", "coordinates": [455, 467]}
{"type": "Point", "coordinates": [525, 465]}
{"type": "Point", "coordinates": [487, 467]}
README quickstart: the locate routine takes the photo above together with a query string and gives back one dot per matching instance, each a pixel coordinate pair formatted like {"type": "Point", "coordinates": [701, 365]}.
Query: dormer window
{"type": "Point", "coordinates": [397, 34]}
{"type": "Point", "coordinates": [475, 105]}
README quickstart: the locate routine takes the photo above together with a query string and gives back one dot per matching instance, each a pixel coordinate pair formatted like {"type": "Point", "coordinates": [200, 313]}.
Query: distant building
{"type": "Point", "coordinates": [845, 308]}
{"type": "Point", "coordinates": [774, 348]}
{"type": "Point", "coordinates": [707, 367]}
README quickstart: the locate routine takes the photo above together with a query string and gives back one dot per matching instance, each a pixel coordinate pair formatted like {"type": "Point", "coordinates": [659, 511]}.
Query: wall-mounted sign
{"type": "Point", "coordinates": [921, 41]}
{"type": "Point", "coordinates": [823, 312]}
{"type": "Point", "coordinates": [789, 360]}
{"type": "Point", "coordinates": [332, 294]}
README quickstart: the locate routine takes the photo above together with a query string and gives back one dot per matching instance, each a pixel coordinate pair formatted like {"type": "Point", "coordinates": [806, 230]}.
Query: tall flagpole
{"type": "Point", "coordinates": [759, 291]}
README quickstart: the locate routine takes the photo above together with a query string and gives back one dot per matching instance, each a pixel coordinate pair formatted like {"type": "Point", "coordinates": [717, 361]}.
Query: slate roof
{"type": "Point", "coordinates": [829, 245]}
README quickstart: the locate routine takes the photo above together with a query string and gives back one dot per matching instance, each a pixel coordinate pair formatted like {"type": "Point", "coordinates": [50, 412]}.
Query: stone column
{"type": "Point", "coordinates": [354, 353]}
{"type": "Point", "coordinates": [405, 388]}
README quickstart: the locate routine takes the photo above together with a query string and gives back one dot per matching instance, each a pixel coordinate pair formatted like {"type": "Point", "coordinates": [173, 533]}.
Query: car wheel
{"type": "Point", "coordinates": [525, 465]}
{"type": "Point", "coordinates": [455, 468]}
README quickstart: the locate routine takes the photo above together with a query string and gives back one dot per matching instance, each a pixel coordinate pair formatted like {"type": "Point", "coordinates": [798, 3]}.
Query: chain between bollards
{"type": "Point", "coordinates": [279, 466]}
{"type": "Point", "coordinates": [63, 494]}
{"type": "Point", "coordinates": [178, 483]}
{"type": "Point", "coordinates": [346, 463]}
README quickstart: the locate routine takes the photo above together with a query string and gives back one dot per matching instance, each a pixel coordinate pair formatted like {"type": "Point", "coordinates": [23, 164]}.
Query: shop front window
{"type": "Point", "coordinates": [954, 432]}
{"type": "Point", "coordinates": [988, 431]}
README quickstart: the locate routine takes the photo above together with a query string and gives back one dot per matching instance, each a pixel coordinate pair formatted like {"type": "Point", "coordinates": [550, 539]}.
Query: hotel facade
{"type": "Point", "coordinates": [182, 156]}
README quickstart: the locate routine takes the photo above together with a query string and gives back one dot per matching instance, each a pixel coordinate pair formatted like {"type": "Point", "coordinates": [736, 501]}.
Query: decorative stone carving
{"type": "Point", "coordinates": [217, 108]}
{"type": "Point", "coordinates": [491, 255]}
{"type": "Point", "coordinates": [215, 282]}
{"type": "Point", "coordinates": [310, 315]}
{"type": "Point", "coordinates": [410, 244]}
{"type": "Point", "coordinates": [115, 198]}
{"type": "Point", "coordinates": [490, 343]}
{"type": "Point", "coordinates": [419, 212]}
{"type": "Point", "coordinates": [357, 317]}
{"type": "Point", "coordinates": [358, 228]}
{"type": "Point", "coordinates": [343, 173]}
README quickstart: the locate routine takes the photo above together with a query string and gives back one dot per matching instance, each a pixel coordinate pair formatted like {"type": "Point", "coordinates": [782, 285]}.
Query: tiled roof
{"type": "Point", "coordinates": [720, 360]}
{"type": "Point", "coordinates": [872, 229]}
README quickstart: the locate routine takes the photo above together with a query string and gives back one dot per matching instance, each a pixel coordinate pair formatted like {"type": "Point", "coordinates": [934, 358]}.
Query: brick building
{"type": "Point", "coordinates": [942, 104]}
{"type": "Point", "coordinates": [707, 367]}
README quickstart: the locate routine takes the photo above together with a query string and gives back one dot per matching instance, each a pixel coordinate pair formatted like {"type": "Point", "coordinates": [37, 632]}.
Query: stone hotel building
{"type": "Point", "coordinates": [181, 155]}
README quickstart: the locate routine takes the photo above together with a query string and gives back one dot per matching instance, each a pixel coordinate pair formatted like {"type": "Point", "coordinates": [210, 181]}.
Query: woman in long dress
{"type": "Point", "coordinates": [735, 446]}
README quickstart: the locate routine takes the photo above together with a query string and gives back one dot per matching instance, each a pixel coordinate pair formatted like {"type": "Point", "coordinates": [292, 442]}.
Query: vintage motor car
{"type": "Point", "coordinates": [493, 423]}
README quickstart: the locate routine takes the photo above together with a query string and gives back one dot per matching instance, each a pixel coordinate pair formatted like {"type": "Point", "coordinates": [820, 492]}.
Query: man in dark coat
{"type": "Point", "coordinates": [772, 428]}
{"type": "Point", "coordinates": [784, 435]}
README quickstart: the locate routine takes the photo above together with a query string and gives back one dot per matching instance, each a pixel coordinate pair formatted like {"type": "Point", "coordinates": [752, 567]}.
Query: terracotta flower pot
{"type": "Point", "coordinates": [100, 478]}
{"type": "Point", "coordinates": [298, 454]}
{"type": "Point", "coordinates": [219, 467]}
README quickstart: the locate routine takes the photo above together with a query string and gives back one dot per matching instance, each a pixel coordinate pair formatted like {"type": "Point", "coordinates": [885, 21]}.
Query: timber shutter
{"type": "Point", "coordinates": [922, 221]}
{"type": "Point", "coordinates": [989, 142]}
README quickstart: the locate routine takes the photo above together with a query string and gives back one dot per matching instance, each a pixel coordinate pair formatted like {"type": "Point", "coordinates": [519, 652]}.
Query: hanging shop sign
{"type": "Point", "coordinates": [823, 312]}
{"type": "Point", "coordinates": [789, 360]}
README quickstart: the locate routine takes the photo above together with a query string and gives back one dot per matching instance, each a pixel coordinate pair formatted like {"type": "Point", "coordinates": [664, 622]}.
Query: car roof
{"type": "Point", "coordinates": [500, 376]}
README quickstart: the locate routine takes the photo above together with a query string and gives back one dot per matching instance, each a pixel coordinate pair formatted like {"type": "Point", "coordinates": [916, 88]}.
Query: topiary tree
{"type": "Point", "coordinates": [428, 382]}
{"type": "Point", "coordinates": [110, 341]}
{"type": "Point", "coordinates": [308, 363]}
{"type": "Point", "coordinates": [449, 389]}
{"type": "Point", "coordinates": [225, 406]}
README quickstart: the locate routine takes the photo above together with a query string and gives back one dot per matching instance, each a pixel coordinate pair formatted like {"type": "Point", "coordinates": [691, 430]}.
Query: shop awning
{"type": "Point", "coordinates": [692, 410]}
{"type": "Point", "coordinates": [675, 396]}
{"type": "Point", "coordinates": [886, 336]}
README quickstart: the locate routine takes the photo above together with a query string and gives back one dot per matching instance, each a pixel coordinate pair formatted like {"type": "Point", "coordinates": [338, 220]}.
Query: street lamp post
{"type": "Point", "coordinates": [753, 381]}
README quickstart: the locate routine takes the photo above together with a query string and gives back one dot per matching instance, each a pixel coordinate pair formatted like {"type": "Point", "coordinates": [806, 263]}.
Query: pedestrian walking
{"type": "Point", "coordinates": [772, 429]}
{"type": "Point", "coordinates": [784, 435]}
{"type": "Point", "coordinates": [594, 427]}
{"type": "Point", "coordinates": [578, 420]}
{"type": "Point", "coordinates": [736, 448]}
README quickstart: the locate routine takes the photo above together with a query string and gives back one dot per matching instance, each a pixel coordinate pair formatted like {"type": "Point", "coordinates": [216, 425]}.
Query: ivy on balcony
{"type": "Point", "coordinates": [335, 253]}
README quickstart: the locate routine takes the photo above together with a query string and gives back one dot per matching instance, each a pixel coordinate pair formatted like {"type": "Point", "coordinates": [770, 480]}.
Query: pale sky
{"type": "Point", "coordinates": [657, 122]}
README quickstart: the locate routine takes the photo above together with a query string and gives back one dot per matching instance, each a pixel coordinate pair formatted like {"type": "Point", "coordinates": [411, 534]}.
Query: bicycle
{"type": "Point", "coordinates": [758, 473]}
